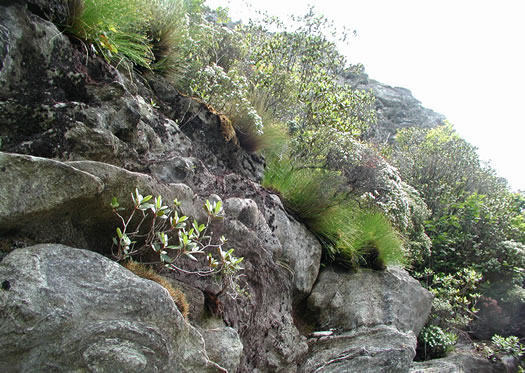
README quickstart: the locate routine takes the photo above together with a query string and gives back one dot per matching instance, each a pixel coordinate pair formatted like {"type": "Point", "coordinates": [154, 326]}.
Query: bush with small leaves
{"type": "Point", "coordinates": [153, 226]}
{"type": "Point", "coordinates": [434, 342]}
{"type": "Point", "coordinates": [500, 347]}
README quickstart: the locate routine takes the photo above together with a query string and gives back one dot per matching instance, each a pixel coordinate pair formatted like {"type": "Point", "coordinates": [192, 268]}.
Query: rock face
{"type": "Point", "coordinates": [462, 360]}
{"type": "Point", "coordinates": [76, 132]}
{"type": "Point", "coordinates": [396, 108]}
{"type": "Point", "coordinates": [73, 310]}
{"type": "Point", "coordinates": [376, 317]}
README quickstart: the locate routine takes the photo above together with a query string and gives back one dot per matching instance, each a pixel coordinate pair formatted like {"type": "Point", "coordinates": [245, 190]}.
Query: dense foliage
{"type": "Point", "coordinates": [476, 228]}
{"type": "Point", "coordinates": [427, 193]}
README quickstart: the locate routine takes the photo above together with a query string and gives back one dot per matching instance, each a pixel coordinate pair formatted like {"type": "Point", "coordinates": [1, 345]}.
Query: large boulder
{"type": "Point", "coordinates": [68, 202]}
{"type": "Point", "coordinates": [301, 250]}
{"type": "Point", "coordinates": [369, 298]}
{"type": "Point", "coordinates": [45, 200]}
{"type": "Point", "coordinates": [69, 310]}
{"type": "Point", "coordinates": [463, 360]}
{"type": "Point", "coordinates": [372, 319]}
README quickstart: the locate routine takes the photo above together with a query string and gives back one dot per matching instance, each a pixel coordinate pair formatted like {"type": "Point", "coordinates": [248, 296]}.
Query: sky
{"type": "Point", "coordinates": [464, 59]}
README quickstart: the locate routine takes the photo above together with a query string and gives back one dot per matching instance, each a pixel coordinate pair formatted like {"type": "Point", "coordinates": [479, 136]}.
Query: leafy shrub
{"type": "Point", "coordinates": [455, 297]}
{"type": "Point", "coordinates": [508, 346]}
{"type": "Point", "coordinates": [501, 347]}
{"type": "Point", "coordinates": [434, 342]}
{"type": "Point", "coordinates": [227, 92]}
{"type": "Point", "coordinates": [171, 237]}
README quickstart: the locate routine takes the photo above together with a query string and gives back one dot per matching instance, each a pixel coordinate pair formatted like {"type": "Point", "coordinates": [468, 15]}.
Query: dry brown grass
{"type": "Point", "coordinates": [176, 294]}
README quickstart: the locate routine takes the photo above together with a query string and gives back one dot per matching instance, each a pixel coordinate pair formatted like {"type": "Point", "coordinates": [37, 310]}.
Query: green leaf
{"type": "Point", "coordinates": [218, 207]}
{"type": "Point", "coordinates": [114, 203]}
{"type": "Point", "coordinates": [166, 258]}
{"type": "Point", "coordinates": [191, 257]}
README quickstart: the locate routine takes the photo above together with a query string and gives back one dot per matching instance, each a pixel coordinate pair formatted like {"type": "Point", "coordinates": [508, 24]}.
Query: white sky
{"type": "Point", "coordinates": [464, 59]}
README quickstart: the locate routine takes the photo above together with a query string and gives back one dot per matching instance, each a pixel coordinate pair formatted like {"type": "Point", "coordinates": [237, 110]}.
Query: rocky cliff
{"type": "Point", "coordinates": [76, 132]}
{"type": "Point", "coordinates": [396, 108]}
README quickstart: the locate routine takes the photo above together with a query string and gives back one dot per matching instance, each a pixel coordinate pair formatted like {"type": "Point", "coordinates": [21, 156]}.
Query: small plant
{"type": "Point", "coordinates": [153, 226]}
{"type": "Point", "coordinates": [455, 297]}
{"type": "Point", "coordinates": [501, 347]}
{"type": "Point", "coordinates": [434, 342]}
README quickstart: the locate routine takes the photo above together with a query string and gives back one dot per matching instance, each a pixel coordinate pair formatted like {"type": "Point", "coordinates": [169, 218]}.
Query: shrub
{"type": "Point", "coordinates": [501, 347]}
{"type": "Point", "coordinates": [152, 226]}
{"type": "Point", "coordinates": [455, 297]}
{"type": "Point", "coordinates": [433, 342]}
{"type": "Point", "coordinates": [178, 296]}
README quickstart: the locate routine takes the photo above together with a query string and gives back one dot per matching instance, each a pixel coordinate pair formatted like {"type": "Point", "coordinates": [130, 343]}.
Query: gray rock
{"type": "Point", "coordinates": [52, 201]}
{"type": "Point", "coordinates": [247, 212]}
{"type": "Point", "coordinates": [52, 10]}
{"type": "Point", "coordinates": [364, 350]}
{"type": "Point", "coordinates": [369, 298]}
{"type": "Point", "coordinates": [301, 251]}
{"type": "Point", "coordinates": [458, 362]}
{"type": "Point", "coordinates": [224, 347]}
{"type": "Point", "coordinates": [396, 108]}
{"type": "Point", "coordinates": [74, 310]}
{"type": "Point", "coordinates": [377, 316]}
{"type": "Point", "coordinates": [32, 186]}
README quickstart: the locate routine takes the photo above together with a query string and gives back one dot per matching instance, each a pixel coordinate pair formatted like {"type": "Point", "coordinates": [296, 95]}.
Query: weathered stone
{"type": "Point", "coordinates": [247, 212]}
{"type": "Point", "coordinates": [73, 310]}
{"type": "Point", "coordinates": [463, 360]}
{"type": "Point", "coordinates": [364, 350]}
{"type": "Point", "coordinates": [52, 10]}
{"type": "Point", "coordinates": [263, 316]}
{"type": "Point", "coordinates": [377, 315]}
{"type": "Point", "coordinates": [396, 108]}
{"type": "Point", "coordinates": [369, 298]}
{"type": "Point", "coordinates": [32, 186]}
{"type": "Point", "coordinates": [301, 251]}
{"type": "Point", "coordinates": [224, 347]}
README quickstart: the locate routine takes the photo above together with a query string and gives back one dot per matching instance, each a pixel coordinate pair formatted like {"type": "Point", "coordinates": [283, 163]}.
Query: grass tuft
{"type": "Point", "coordinates": [350, 236]}
{"type": "Point", "coordinates": [178, 296]}
{"type": "Point", "coordinates": [147, 34]}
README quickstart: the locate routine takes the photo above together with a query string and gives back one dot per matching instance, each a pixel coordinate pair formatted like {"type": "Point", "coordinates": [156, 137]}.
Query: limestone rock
{"type": "Point", "coordinates": [301, 251]}
{"type": "Point", "coordinates": [396, 108]}
{"type": "Point", "coordinates": [364, 350]}
{"type": "Point", "coordinates": [377, 316]}
{"type": "Point", "coordinates": [224, 347]}
{"type": "Point", "coordinates": [73, 310]}
{"type": "Point", "coordinates": [369, 298]}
